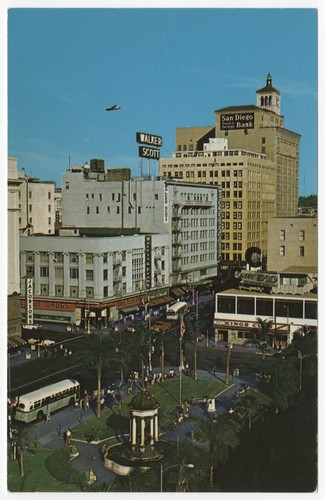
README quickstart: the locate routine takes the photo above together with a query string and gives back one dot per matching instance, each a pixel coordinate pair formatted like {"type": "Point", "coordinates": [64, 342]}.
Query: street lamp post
{"type": "Point", "coordinates": [228, 363]}
{"type": "Point", "coordinates": [189, 466]}
{"type": "Point", "coordinates": [88, 312]}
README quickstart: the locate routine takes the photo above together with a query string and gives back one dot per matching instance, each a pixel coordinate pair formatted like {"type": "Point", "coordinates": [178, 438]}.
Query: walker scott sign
{"type": "Point", "coordinates": [236, 121]}
{"type": "Point", "coordinates": [150, 140]}
{"type": "Point", "coordinates": [151, 153]}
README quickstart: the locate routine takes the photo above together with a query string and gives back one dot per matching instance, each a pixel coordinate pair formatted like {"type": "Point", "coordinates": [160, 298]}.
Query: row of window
{"type": "Point", "coordinates": [235, 225]}
{"type": "Point", "coordinates": [114, 196]}
{"type": "Point", "coordinates": [265, 307]}
{"type": "Point", "coordinates": [301, 251]}
{"type": "Point", "coordinates": [233, 257]}
{"type": "Point", "coordinates": [30, 195]}
{"type": "Point", "coordinates": [203, 173]}
{"type": "Point", "coordinates": [235, 246]}
{"type": "Point", "coordinates": [301, 235]}
{"type": "Point", "coordinates": [30, 221]}
{"type": "Point", "coordinates": [235, 215]}
{"type": "Point", "coordinates": [74, 257]}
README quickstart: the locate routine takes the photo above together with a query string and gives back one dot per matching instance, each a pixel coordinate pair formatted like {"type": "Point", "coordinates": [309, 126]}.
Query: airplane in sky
{"type": "Point", "coordinates": [112, 108]}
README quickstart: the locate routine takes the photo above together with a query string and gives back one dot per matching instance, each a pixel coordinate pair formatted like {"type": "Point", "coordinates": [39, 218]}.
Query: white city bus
{"type": "Point", "coordinates": [37, 404]}
{"type": "Point", "coordinates": [174, 312]}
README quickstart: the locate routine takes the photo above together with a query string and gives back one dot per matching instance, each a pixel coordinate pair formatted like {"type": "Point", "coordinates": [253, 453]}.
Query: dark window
{"type": "Point", "coordinates": [289, 309]}
{"type": "Point", "coordinates": [226, 304]}
{"type": "Point", "coordinates": [310, 310]}
{"type": "Point", "coordinates": [245, 305]}
{"type": "Point", "coordinates": [264, 307]}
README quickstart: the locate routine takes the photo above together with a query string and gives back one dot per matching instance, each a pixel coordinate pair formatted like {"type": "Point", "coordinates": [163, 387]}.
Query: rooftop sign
{"type": "Point", "coordinates": [151, 140]}
{"type": "Point", "coordinates": [236, 121]}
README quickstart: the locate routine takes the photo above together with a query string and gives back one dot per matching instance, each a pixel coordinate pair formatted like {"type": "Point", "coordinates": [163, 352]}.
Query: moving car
{"type": "Point", "coordinates": [34, 326]}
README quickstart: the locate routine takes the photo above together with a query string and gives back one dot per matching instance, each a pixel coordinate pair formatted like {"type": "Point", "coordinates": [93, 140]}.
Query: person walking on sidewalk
{"type": "Point", "coordinates": [67, 437]}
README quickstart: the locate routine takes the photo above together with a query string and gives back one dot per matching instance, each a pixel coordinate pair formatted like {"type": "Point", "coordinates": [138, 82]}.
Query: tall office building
{"type": "Point", "coordinates": [254, 160]}
{"type": "Point", "coordinates": [261, 129]}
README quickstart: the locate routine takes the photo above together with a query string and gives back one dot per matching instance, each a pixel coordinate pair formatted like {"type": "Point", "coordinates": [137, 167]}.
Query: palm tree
{"type": "Point", "coordinates": [99, 354]}
{"type": "Point", "coordinates": [284, 384]}
{"type": "Point", "coordinates": [22, 437]}
{"type": "Point", "coordinates": [263, 337]}
{"type": "Point", "coordinates": [222, 434]}
{"type": "Point", "coordinates": [249, 408]}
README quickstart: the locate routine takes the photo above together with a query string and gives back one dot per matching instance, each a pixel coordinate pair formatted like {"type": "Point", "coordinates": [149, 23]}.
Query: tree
{"type": "Point", "coordinates": [22, 437]}
{"type": "Point", "coordinates": [263, 338]}
{"type": "Point", "coordinates": [99, 354]}
{"type": "Point", "coordinates": [283, 383]}
{"type": "Point", "coordinates": [222, 434]}
{"type": "Point", "coordinates": [250, 407]}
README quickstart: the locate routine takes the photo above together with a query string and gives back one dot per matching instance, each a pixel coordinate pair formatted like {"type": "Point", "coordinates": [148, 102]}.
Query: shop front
{"type": "Point", "coordinates": [244, 332]}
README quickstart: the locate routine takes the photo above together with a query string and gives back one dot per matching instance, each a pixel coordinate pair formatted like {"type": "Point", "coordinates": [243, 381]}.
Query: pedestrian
{"type": "Point", "coordinates": [67, 437]}
{"type": "Point", "coordinates": [91, 477]}
{"type": "Point", "coordinates": [48, 417]}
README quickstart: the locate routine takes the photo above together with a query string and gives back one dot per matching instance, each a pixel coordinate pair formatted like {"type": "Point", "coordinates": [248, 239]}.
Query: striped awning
{"type": "Point", "coordinates": [14, 342]}
{"type": "Point", "coordinates": [129, 310]}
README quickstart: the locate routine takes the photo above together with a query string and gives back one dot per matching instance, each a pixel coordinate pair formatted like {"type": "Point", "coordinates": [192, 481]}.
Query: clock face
{"type": "Point", "coordinates": [253, 256]}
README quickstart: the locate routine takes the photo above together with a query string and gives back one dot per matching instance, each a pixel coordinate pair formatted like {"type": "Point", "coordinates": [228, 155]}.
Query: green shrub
{"type": "Point", "coordinates": [58, 465]}
{"type": "Point", "coordinates": [94, 434]}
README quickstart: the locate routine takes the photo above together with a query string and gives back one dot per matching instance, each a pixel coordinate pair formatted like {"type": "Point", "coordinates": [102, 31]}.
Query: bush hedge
{"type": "Point", "coordinates": [59, 467]}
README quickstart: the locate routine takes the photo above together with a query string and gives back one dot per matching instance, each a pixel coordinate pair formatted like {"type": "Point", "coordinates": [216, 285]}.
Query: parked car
{"type": "Point", "coordinates": [34, 326]}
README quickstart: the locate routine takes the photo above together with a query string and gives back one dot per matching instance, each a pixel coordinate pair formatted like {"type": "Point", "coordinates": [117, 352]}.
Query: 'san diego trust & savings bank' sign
{"type": "Point", "coordinates": [234, 121]}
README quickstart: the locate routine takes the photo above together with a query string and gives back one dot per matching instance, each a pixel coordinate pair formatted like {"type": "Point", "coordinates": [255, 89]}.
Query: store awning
{"type": "Point", "coordinates": [181, 290]}
{"type": "Point", "coordinates": [129, 310]}
{"type": "Point", "coordinates": [14, 342]}
{"type": "Point", "coordinates": [158, 301]}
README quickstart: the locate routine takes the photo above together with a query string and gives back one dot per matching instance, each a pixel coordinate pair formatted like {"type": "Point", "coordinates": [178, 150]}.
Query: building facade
{"type": "Point", "coordinates": [36, 205]}
{"type": "Point", "coordinates": [13, 286]}
{"type": "Point", "coordinates": [100, 274]}
{"type": "Point", "coordinates": [236, 314]}
{"type": "Point", "coordinates": [292, 244]}
{"type": "Point", "coordinates": [247, 182]}
{"type": "Point", "coordinates": [124, 242]}
{"type": "Point", "coordinates": [260, 128]}
{"type": "Point", "coordinates": [253, 159]}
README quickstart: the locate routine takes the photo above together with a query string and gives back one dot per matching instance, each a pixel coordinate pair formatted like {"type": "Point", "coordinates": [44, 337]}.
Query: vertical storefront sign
{"type": "Point", "coordinates": [166, 212]}
{"type": "Point", "coordinates": [29, 301]}
{"type": "Point", "coordinates": [147, 251]}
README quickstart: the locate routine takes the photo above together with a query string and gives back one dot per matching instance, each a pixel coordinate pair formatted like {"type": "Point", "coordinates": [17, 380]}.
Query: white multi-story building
{"type": "Point", "coordinates": [36, 205]}
{"type": "Point", "coordinates": [104, 274]}
{"type": "Point", "coordinates": [188, 213]}
{"type": "Point", "coordinates": [122, 242]}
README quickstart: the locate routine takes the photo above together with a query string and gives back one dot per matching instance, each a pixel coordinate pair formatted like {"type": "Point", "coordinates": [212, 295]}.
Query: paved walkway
{"type": "Point", "coordinates": [50, 434]}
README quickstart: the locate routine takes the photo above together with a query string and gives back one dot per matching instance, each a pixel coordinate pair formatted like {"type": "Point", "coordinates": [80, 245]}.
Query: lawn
{"type": "Point", "coordinates": [116, 421]}
{"type": "Point", "coordinates": [37, 477]}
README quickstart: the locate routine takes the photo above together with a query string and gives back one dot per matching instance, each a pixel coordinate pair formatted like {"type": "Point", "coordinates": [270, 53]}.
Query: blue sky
{"type": "Point", "coordinates": [166, 68]}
